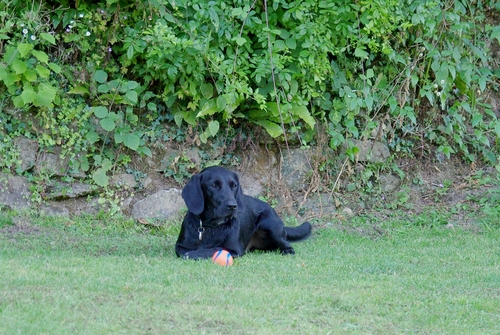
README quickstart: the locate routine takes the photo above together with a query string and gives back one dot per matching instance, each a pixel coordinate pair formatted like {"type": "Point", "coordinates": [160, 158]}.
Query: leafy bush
{"type": "Point", "coordinates": [95, 77]}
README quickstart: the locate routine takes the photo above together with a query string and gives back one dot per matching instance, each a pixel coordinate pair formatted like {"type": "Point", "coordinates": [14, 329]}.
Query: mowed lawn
{"type": "Point", "coordinates": [70, 278]}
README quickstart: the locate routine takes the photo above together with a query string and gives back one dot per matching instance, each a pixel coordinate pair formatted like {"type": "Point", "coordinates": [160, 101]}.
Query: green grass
{"type": "Point", "coordinates": [87, 277]}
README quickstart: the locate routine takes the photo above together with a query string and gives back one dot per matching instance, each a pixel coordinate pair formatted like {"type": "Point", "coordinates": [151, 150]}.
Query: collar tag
{"type": "Point", "coordinates": [201, 230]}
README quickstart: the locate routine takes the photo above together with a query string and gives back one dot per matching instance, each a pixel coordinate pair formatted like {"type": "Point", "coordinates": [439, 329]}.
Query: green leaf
{"type": "Point", "coordinates": [461, 84]}
{"type": "Point", "coordinates": [272, 107]}
{"type": "Point", "coordinates": [132, 141]}
{"type": "Point", "coordinates": [207, 90]}
{"type": "Point", "coordinates": [41, 56]}
{"type": "Point", "coordinates": [100, 76]}
{"type": "Point", "coordinates": [221, 102]}
{"type": "Point", "coordinates": [24, 49]}
{"type": "Point", "coordinates": [18, 101]}
{"type": "Point", "coordinates": [79, 90]}
{"type": "Point", "coordinates": [169, 18]}
{"type": "Point", "coordinates": [29, 95]}
{"type": "Point", "coordinates": [42, 71]}
{"type": "Point", "coordinates": [303, 113]}
{"type": "Point", "coordinates": [481, 137]}
{"type": "Point", "coordinates": [237, 11]}
{"type": "Point", "coordinates": [239, 40]}
{"type": "Point", "coordinates": [119, 137]}
{"type": "Point", "coordinates": [92, 137]}
{"type": "Point", "coordinates": [291, 43]}
{"type": "Point", "coordinates": [442, 77]}
{"type": "Point", "coordinates": [414, 80]}
{"type": "Point", "coordinates": [145, 151]}
{"type": "Point", "coordinates": [152, 106]}
{"type": "Point", "coordinates": [107, 124]}
{"type": "Point", "coordinates": [54, 67]}
{"type": "Point", "coordinates": [132, 118]}
{"type": "Point", "coordinates": [130, 52]}
{"type": "Point", "coordinates": [213, 127]}
{"type": "Point", "coordinates": [214, 17]}
{"type": "Point", "coordinates": [279, 45]}
{"type": "Point", "coordinates": [131, 85]}
{"type": "Point", "coordinates": [100, 111]}
{"type": "Point", "coordinates": [84, 163]}
{"type": "Point", "coordinates": [178, 118]}
{"type": "Point", "coordinates": [272, 128]}
{"type": "Point", "coordinates": [369, 102]}
{"type": "Point", "coordinates": [446, 150]}
{"type": "Point", "coordinates": [209, 108]}
{"type": "Point", "coordinates": [294, 87]}
{"type": "Point", "coordinates": [103, 88]}
{"type": "Point", "coordinates": [495, 33]}
{"type": "Point", "coordinates": [358, 52]}
{"type": "Point", "coordinates": [106, 164]}
{"type": "Point", "coordinates": [132, 96]}
{"type": "Point", "coordinates": [46, 95]}
{"type": "Point", "coordinates": [19, 66]}
{"type": "Point", "coordinates": [203, 137]}
{"type": "Point", "coordinates": [351, 152]}
{"type": "Point", "coordinates": [393, 104]}
{"type": "Point", "coordinates": [476, 119]}
{"type": "Point", "coordinates": [497, 129]}
{"type": "Point", "coordinates": [100, 177]}
{"type": "Point", "coordinates": [30, 75]}
{"type": "Point", "coordinates": [48, 37]}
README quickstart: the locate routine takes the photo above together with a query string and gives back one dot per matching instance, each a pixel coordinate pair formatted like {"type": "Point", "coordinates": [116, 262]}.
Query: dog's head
{"type": "Point", "coordinates": [214, 194]}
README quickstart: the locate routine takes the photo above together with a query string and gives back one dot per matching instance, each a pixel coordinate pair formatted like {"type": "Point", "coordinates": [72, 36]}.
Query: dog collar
{"type": "Point", "coordinates": [201, 230]}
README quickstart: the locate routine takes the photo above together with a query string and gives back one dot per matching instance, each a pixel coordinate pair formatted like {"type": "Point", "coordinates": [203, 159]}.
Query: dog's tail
{"type": "Point", "coordinates": [295, 234]}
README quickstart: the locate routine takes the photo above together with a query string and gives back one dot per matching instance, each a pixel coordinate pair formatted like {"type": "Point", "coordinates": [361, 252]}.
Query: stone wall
{"type": "Point", "coordinates": [284, 174]}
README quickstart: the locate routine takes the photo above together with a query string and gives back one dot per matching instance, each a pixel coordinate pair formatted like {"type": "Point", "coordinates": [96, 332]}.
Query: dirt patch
{"type": "Point", "coordinates": [21, 226]}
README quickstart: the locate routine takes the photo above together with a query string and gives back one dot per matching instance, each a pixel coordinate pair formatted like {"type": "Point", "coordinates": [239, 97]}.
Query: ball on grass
{"type": "Point", "coordinates": [222, 257]}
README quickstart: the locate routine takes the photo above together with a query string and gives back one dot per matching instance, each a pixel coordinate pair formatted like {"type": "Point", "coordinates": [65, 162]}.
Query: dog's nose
{"type": "Point", "coordinates": [232, 206]}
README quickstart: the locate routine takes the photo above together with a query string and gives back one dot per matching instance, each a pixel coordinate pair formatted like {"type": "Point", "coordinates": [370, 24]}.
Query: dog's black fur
{"type": "Point", "coordinates": [220, 216]}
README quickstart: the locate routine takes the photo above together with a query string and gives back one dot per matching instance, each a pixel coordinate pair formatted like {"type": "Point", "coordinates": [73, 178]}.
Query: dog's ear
{"type": "Point", "coordinates": [239, 193]}
{"type": "Point", "coordinates": [193, 195]}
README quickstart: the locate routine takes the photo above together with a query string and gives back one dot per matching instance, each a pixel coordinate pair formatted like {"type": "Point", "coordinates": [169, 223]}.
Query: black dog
{"type": "Point", "coordinates": [220, 216]}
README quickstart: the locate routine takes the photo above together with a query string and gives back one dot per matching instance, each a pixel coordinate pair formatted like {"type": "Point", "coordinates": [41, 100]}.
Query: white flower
{"type": "Point", "coordinates": [442, 81]}
{"type": "Point", "coordinates": [435, 85]}
{"type": "Point", "coordinates": [70, 26]}
{"type": "Point", "coordinates": [72, 21]}
{"type": "Point", "coordinates": [87, 33]}
{"type": "Point", "coordinates": [25, 31]}
{"type": "Point", "coordinates": [81, 16]}
{"type": "Point", "coordinates": [22, 24]}
{"type": "Point", "coordinates": [33, 37]}
{"type": "Point", "coordinates": [438, 94]}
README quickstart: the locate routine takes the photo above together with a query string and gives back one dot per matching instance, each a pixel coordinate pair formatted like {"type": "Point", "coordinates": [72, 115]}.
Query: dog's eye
{"type": "Point", "coordinates": [215, 185]}
{"type": "Point", "coordinates": [233, 185]}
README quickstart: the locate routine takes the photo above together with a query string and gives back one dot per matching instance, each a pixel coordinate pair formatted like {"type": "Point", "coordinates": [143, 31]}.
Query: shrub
{"type": "Point", "coordinates": [99, 75]}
